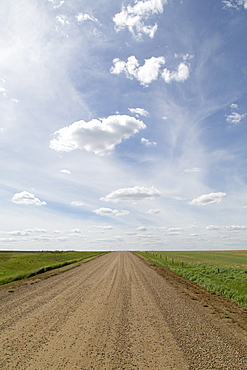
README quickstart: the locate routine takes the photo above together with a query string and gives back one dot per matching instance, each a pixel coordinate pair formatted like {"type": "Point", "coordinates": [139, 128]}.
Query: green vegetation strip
{"type": "Point", "coordinates": [21, 265]}
{"type": "Point", "coordinates": [213, 271]}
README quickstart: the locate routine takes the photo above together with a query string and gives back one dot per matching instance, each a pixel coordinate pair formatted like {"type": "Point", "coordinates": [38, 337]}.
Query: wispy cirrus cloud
{"type": "Point", "coordinates": [99, 136]}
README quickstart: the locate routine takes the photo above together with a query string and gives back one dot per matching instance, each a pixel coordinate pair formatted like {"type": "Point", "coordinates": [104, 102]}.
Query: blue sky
{"type": "Point", "coordinates": [123, 124]}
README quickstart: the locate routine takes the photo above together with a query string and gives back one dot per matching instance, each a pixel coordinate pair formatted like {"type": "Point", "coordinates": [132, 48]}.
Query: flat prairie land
{"type": "Point", "coordinates": [119, 311]}
{"type": "Point", "coordinates": [221, 258]}
{"type": "Point", "coordinates": [16, 265]}
{"type": "Point", "coordinates": [222, 272]}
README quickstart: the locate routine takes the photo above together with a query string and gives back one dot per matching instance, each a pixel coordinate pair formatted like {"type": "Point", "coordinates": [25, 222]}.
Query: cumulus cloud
{"type": "Point", "coordinates": [207, 199]}
{"type": "Point", "coordinates": [68, 172]}
{"type": "Point", "coordinates": [110, 212]}
{"type": "Point", "coordinates": [81, 17]}
{"type": "Point", "coordinates": [139, 111]}
{"type": "Point", "coordinates": [146, 142]}
{"type": "Point", "coordinates": [213, 227]}
{"type": "Point", "coordinates": [132, 194]}
{"type": "Point", "coordinates": [150, 70]}
{"type": "Point", "coordinates": [180, 75]}
{"type": "Point", "coordinates": [76, 203]}
{"type": "Point", "coordinates": [133, 17]}
{"type": "Point", "coordinates": [99, 136]}
{"type": "Point", "coordinates": [235, 117]}
{"type": "Point", "coordinates": [153, 211]}
{"type": "Point", "coordinates": [145, 74]}
{"type": "Point", "coordinates": [234, 228]}
{"type": "Point", "coordinates": [27, 199]}
{"type": "Point", "coordinates": [141, 228]}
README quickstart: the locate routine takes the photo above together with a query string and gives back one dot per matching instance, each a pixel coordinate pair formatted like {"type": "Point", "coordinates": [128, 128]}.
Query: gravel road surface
{"type": "Point", "coordinates": [114, 312]}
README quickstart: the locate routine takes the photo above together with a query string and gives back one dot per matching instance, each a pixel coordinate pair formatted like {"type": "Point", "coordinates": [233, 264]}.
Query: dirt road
{"type": "Point", "coordinates": [114, 312]}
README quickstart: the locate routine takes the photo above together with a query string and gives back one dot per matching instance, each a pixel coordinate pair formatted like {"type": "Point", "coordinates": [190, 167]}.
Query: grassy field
{"type": "Point", "coordinates": [222, 272]}
{"type": "Point", "coordinates": [20, 265]}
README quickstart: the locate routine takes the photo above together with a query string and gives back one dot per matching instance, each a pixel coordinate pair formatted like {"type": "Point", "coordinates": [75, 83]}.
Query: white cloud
{"type": "Point", "coordinates": [132, 194]}
{"type": "Point", "coordinates": [147, 142]}
{"type": "Point", "coordinates": [236, 227]}
{"type": "Point", "coordinates": [139, 111]}
{"type": "Point", "coordinates": [153, 211]}
{"type": "Point", "coordinates": [184, 56]}
{"type": "Point", "coordinates": [34, 230]}
{"type": "Point", "coordinates": [27, 199]}
{"type": "Point", "coordinates": [17, 233]}
{"type": "Point", "coordinates": [133, 17]}
{"type": "Point", "coordinates": [63, 19]}
{"type": "Point", "coordinates": [177, 197]}
{"type": "Point", "coordinates": [85, 17]}
{"type": "Point", "coordinates": [66, 171]}
{"type": "Point", "coordinates": [150, 70]}
{"type": "Point", "coordinates": [207, 199]}
{"type": "Point", "coordinates": [180, 75]}
{"type": "Point", "coordinates": [8, 240]}
{"type": "Point", "coordinates": [145, 74]}
{"type": "Point", "coordinates": [235, 117]}
{"type": "Point", "coordinates": [15, 100]}
{"type": "Point", "coordinates": [76, 231]}
{"type": "Point", "coordinates": [194, 169]}
{"type": "Point", "coordinates": [141, 228]}
{"type": "Point", "coordinates": [58, 6]}
{"type": "Point", "coordinates": [234, 106]}
{"type": "Point", "coordinates": [213, 227]}
{"type": "Point", "coordinates": [234, 4]}
{"type": "Point", "coordinates": [174, 231]}
{"type": "Point", "coordinates": [110, 212]}
{"type": "Point", "coordinates": [99, 136]}
{"type": "Point", "coordinates": [76, 203]}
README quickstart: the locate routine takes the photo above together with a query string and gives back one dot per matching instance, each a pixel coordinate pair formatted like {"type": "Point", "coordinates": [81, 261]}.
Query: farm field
{"type": "Point", "coordinates": [15, 265]}
{"type": "Point", "coordinates": [222, 272]}
{"type": "Point", "coordinates": [117, 312]}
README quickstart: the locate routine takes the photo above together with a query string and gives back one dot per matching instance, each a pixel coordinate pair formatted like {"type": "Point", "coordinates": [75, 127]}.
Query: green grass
{"type": "Point", "coordinates": [20, 265]}
{"type": "Point", "coordinates": [223, 272]}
